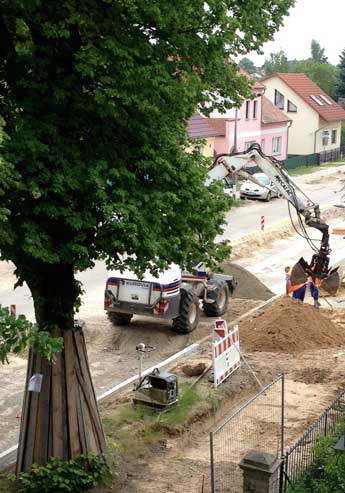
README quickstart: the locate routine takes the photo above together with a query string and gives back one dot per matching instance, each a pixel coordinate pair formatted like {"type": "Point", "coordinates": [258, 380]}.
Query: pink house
{"type": "Point", "coordinates": [258, 120]}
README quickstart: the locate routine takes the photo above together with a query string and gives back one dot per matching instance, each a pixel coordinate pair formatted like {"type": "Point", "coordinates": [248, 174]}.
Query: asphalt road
{"type": "Point", "coordinates": [320, 186]}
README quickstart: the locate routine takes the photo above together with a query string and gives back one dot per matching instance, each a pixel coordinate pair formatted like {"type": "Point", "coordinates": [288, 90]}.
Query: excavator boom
{"type": "Point", "coordinates": [318, 268]}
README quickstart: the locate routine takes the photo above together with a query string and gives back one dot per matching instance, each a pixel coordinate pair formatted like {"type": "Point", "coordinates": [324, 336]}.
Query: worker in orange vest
{"type": "Point", "coordinates": [297, 291]}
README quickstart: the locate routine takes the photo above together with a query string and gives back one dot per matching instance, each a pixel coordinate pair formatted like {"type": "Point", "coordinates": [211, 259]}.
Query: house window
{"type": "Point", "coordinates": [325, 137]}
{"type": "Point", "coordinates": [248, 144]}
{"type": "Point", "coordinates": [276, 145]}
{"type": "Point", "coordinates": [334, 137]}
{"type": "Point", "coordinates": [279, 99]}
{"type": "Point", "coordinates": [292, 108]}
{"type": "Point", "coordinates": [255, 108]}
{"type": "Point", "coordinates": [247, 109]}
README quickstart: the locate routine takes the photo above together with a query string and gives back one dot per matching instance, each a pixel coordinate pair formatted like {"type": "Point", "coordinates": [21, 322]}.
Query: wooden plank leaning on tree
{"type": "Point", "coordinates": [25, 413]}
{"type": "Point", "coordinates": [71, 393]}
{"type": "Point", "coordinates": [57, 422]}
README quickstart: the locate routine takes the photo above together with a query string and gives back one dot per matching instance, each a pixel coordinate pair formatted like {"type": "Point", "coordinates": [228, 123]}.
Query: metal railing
{"type": "Point", "coordinates": [244, 430]}
{"type": "Point", "coordinates": [332, 155]}
{"type": "Point", "coordinates": [301, 455]}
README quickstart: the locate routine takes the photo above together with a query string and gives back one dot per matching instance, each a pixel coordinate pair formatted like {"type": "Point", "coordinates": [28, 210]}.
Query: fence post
{"type": "Point", "coordinates": [260, 472]}
{"type": "Point", "coordinates": [213, 489]}
{"type": "Point", "coordinates": [326, 418]}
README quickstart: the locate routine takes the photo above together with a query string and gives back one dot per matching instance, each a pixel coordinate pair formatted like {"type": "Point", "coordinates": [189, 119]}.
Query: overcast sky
{"type": "Point", "coordinates": [323, 20]}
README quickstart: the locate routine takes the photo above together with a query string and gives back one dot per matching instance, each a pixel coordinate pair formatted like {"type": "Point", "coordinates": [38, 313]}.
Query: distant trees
{"type": "Point", "coordinates": [317, 53]}
{"type": "Point", "coordinates": [247, 65]}
{"type": "Point", "coordinates": [278, 62]}
{"type": "Point", "coordinates": [340, 91]}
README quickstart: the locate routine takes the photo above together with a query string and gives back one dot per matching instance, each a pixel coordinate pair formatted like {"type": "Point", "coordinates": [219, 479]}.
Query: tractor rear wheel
{"type": "Point", "coordinates": [188, 318]}
{"type": "Point", "coordinates": [118, 318]}
{"type": "Point", "coordinates": [220, 294]}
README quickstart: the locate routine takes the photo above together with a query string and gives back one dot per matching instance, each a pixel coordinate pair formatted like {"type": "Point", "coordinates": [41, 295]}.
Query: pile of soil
{"type": "Point", "coordinates": [289, 325]}
{"type": "Point", "coordinates": [248, 286]}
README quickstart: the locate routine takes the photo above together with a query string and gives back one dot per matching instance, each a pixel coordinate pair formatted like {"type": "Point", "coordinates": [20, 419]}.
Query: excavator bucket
{"type": "Point", "coordinates": [299, 273]}
{"type": "Point", "coordinates": [332, 283]}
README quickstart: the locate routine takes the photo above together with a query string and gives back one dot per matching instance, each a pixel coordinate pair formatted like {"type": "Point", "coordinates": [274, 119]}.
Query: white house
{"type": "Point", "coordinates": [316, 117]}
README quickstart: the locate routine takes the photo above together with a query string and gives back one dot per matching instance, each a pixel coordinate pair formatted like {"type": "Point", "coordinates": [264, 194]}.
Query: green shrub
{"type": "Point", "coordinates": [59, 476]}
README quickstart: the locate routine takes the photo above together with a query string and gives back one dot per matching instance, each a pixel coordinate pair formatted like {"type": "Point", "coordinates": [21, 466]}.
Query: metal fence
{"type": "Point", "coordinates": [245, 430]}
{"type": "Point", "coordinates": [300, 456]}
{"type": "Point", "coordinates": [332, 155]}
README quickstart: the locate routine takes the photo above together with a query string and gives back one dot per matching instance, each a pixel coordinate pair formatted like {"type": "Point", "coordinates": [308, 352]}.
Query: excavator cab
{"type": "Point", "coordinates": [329, 279]}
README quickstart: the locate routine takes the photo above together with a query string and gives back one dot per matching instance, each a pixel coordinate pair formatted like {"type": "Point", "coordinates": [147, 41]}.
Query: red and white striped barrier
{"type": "Point", "coordinates": [262, 223]}
{"type": "Point", "coordinates": [226, 351]}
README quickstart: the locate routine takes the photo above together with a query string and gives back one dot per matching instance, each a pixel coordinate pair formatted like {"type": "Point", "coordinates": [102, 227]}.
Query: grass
{"type": "Point", "coordinates": [132, 428]}
{"type": "Point", "coordinates": [304, 170]}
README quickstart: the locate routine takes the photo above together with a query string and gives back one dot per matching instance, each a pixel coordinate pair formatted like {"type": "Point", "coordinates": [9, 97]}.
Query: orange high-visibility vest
{"type": "Point", "coordinates": [292, 289]}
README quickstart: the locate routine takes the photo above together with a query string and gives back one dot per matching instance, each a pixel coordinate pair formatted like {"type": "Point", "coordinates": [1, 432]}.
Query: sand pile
{"type": "Point", "coordinates": [248, 286]}
{"type": "Point", "coordinates": [288, 326]}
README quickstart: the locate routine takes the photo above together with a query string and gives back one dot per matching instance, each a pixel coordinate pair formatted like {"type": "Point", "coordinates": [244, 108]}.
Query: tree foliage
{"type": "Point", "coordinates": [277, 62]}
{"type": "Point", "coordinates": [16, 334]}
{"type": "Point", "coordinates": [95, 98]}
{"type": "Point", "coordinates": [247, 65]}
{"type": "Point", "coordinates": [317, 53]}
{"type": "Point", "coordinates": [340, 92]}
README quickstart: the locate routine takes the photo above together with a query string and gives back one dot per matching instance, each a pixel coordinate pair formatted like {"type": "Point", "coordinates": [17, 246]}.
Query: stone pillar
{"type": "Point", "coordinates": [260, 472]}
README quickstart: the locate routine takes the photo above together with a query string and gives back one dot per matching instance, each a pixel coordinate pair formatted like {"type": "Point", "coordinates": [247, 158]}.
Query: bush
{"type": "Point", "coordinates": [59, 476]}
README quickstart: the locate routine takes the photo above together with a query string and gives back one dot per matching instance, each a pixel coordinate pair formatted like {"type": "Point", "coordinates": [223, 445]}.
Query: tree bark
{"type": "Point", "coordinates": [62, 418]}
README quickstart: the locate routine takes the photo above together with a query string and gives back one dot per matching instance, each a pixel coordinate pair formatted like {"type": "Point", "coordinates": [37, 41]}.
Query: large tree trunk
{"type": "Point", "coordinates": [62, 419]}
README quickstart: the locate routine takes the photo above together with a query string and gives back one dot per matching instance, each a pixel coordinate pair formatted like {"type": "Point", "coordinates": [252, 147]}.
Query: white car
{"type": "Point", "coordinates": [250, 190]}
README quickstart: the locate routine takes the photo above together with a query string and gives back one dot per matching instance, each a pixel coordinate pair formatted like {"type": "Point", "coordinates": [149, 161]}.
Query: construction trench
{"type": "Point", "coordinates": [284, 336]}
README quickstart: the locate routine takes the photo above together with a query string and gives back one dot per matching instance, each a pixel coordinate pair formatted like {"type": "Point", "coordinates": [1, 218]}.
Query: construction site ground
{"type": "Point", "coordinates": [314, 371]}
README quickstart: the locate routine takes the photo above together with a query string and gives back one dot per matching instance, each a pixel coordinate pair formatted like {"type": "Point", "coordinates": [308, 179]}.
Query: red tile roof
{"type": "Point", "coordinates": [218, 124]}
{"type": "Point", "coordinates": [200, 128]}
{"type": "Point", "coordinates": [305, 87]}
{"type": "Point", "coordinates": [272, 114]}
{"type": "Point", "coordinates": [257, 84]}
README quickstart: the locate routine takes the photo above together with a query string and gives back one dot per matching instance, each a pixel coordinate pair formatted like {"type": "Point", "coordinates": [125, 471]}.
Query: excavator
{"type": "Point", "coordinates": [174, 294]}
{"type": "Point", "coordinates": [308, 212]}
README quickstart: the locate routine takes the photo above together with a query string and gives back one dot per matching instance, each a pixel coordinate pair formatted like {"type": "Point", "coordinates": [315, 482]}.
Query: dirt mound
{"type": "Point", "coordinates": [248, 286]}
{"type": "Point", "coordinates": [290, 326]}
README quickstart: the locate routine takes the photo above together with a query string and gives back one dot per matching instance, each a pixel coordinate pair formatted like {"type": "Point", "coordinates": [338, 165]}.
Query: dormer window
{"type": "Point", "coordinates": [326, 100]}
{"type": "Point", "coordinates": [279, 99]}
{"type": "Point", "coordinates": [292, 108]}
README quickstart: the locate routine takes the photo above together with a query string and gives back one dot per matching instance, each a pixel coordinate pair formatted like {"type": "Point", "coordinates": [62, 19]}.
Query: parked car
{"type": "Point", "coordinates": [229, 187]}
{"type": "Point", "coordinates": [250, 190]}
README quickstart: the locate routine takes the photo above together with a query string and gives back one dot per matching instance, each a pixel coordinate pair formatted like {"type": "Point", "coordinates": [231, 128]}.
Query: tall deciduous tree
{"type": "Point", "coordinates": [247, 64]}
{"type": "Point", "coordinates": [340, 91]}
{"type": "Point", "coordinates": [277, 62]}
{"type": "Point", "coordinates": [95, 96]}
{"type": "Point", "coordinates": [317, 53]}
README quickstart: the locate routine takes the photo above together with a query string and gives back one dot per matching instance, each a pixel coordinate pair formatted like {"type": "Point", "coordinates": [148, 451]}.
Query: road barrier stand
{"type": "Point", "coordinates": [262, 223]}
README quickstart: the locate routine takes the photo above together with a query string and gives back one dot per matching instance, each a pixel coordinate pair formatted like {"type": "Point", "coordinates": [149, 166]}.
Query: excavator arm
{"type": "Point", "coordinates": [318, 268]}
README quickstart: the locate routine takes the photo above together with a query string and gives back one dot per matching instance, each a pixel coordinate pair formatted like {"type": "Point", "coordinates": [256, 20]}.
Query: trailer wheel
{"type": "Point", "coordinates": [118, 318]}
{"type": "Point", "coordinates": [220, 295]}
{"type": "Point", "coordinates": [188, 318]}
